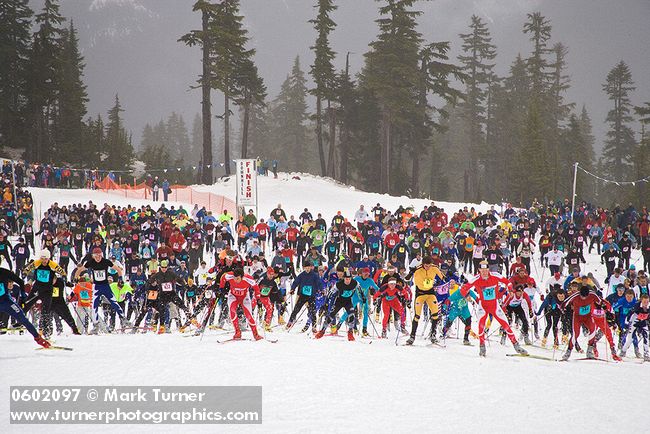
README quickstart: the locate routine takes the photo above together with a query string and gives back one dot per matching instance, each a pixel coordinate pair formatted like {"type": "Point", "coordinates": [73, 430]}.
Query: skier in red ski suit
{"type": "Point", "coordinates": [239, 295]}
{"type": "Point", "coordinates": [486, 285]}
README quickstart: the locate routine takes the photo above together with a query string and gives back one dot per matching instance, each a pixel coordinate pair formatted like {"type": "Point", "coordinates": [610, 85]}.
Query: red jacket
{"type": "Point", "coordinates": [176, 241]}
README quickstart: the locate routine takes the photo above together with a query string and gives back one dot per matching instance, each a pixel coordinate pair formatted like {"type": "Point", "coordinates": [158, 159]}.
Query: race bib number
{"type": "Point", "coordinates": [78, 237]}
{"type": "Point", "coordinates": [427, 283]}
{"type": "Point", "coordinates": [584, 310]}
{"type": "Point", "coordinates": [55, 291]}
{"type": "Point", "coordinates": [375, 245]}
{"type": "Point", "coordinates": [493, 256]}
{"type": "Point", "coordinates": [99, 274]}
{"type": "Point", "coordinates": [489, 293]}
{"type": "Point", "coordinates": [21, 250]}
{"type": "Point", "coordinates": [190, 293]}
{"type": "Point", "coordinates": [207, 293]}
{"type": "Point", "coordinates": [167, 286]}
{"type": "Point", "coordinates": [642, 316]}
{"type": "Point", "coordinates": [332, 249]}
{"type": "Point", "coordinates": [64, 253]}
{"type": "Point", "coordinates": [265, 291]}
{"type": "Point", "coordinates": [134, 270]}
{"type": "Point", "coordinates": [3, 291]}
{"type": "Point", "coordinates": [625, 249]}
{"type": "Point", "coordinates": [347, 293]}
{"type": "Point", "coordinates": [287, 260]}
{"type": "Point", "coordinates": [43, 275]}
{"type": "Point", "coordinates": [152, 295]}
{"type": "Point", "coordinates": [84, 295]}
{"type": "Point", "coordinates": [306, 290]}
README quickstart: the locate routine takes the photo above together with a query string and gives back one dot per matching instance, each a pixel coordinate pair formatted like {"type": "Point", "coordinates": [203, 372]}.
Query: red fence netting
{"type": "Point", "coordinates": [180, 193]}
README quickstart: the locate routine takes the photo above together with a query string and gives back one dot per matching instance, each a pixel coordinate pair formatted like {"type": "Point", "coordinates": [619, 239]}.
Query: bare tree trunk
{"type": "Point", "coordinates": [206, 107]}
{"type": "Point", "coordinates": [384, 181]}
{"type": "Point", "coordinates": [344, 143]}
{"type": "Point", "coordinates": [226, 130]}
{"type": "Point", "coordinates": [244, 137]}
{"type": "Point", "coordinates": [331, 166]}
{"type": "Point", "coordinates": [319, 135]}
{"type": "Point", "coordinates": [415, 177]}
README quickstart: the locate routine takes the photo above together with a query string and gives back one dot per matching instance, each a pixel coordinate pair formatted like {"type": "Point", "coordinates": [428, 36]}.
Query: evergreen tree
{"type": "Point", "coordinates": [392, 75]}
{"type": "Point", "coordinates": [42, 80]}
{"type": "Point", "coordinates": [229, 57]}
{"type": "Point", "coordinates": [322, 71]}
{"type": "Point", "coordinates": [559, 111]}
{"type": "Point", "coordinates": [539, 29]}
{"type": "Point", "coordinates": [15, 36]}
{"type": "Point", "coordinates": [642, 157]}
{"type": "Point", "coordinates": [253, 94]}
{"type": "Point", "coordinates": [195, 152]}
{"type": "Point", "coordinates": [204, 38]}
{"type": "Point", "coordinates": [578, 149]}
{"type": "Point", "coordinates": [72, 99]}
{"type": "Point", "coordinates": [289, 114]}
{"type": "Point", "coordinates": [620, 143]}
{"type": "Point", "coordinates": [154, 152]}
{"type": "Point", "coordinates": [118, 150]}
{"type": "Point", "coordinates": [479, 52]}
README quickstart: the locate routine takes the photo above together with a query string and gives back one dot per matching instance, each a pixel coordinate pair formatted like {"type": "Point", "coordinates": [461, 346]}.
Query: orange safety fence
{"type": "Point", "coordinates": [180, 193]}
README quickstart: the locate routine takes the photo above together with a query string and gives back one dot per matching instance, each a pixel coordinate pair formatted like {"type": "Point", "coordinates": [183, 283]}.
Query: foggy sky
{"type": "Point", "coordinates": [130, 46]}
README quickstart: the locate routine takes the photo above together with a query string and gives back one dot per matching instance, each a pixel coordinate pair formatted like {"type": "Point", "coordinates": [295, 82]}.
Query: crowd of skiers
{"type": "Point", "coordinates": [170, 269]}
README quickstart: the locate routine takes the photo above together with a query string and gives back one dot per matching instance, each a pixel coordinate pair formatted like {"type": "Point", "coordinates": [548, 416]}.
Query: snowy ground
{"type": "Point", "coordinates": [332, 385]}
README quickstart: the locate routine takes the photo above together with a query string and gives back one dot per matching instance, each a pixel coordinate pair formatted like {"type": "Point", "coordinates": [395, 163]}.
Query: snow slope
{"type": "Point", "coordinates": [322, 195]}
{"type": "Point", "coordinates": [332, 385]}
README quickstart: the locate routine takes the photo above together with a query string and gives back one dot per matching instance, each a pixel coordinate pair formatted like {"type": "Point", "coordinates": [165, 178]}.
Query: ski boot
{"type": "Point", "coordinates": [281, 320]}
{"type": "Point", "coordinates": [256, 336]}
{"type": "Point", "coordinates": [590, 352]}
{"type": "Point", "coordinates": [334, 329]}
{"type": "Point", "coordinates": [637, 353]}
{"type": "Point", "coordinates": [410, 340]}
{"type": "Point", "coordinates": [433, 338]}
{"type": "Point", "coordinates": [595, 349]}
{"type": "Point", "coordinates": [543, 343]}
{"type": "Point", "coordinates": [383, 334]}
{"type": "Point", "coordinates": [267, 327]}
{"type": "Point", "coordinates": [622, 353]}
{"type": "Point", "coordinates": [527, 340]}
{"type": "Point", "coordinates": [305, 328]}
{"type": "Point", "coordinates": [161, 330]}
{"type": "Point", "coordinates": [519, 349]}
{"type": "Point", "coordinates": [350, 335]}
{"type": "Point", "coordinates": [503, 338]}
{"type": "Point", "coordinates": [481, 350]}
{"type": "Point", "coordinates": [614, 355]}
{"type": "Point", "coordinates": [466, 342]}
{"type": "Point", "coordinates": [364, 333]}
{"type": "Point", "coordinates": [126, 323]}
{"type": "Point", "coordinates": [566, 355]}
{"type": "Point", "coordinates": [313, 329]}
{"type": "Point", "coordinates": [473, 334]}
{"type": "Point", "coordinates": [237, 334]}
{"type": "Point", "coordinates": [403, 330]}
{"type": "Point", "coordinates": [579, 348]}
{"type": "Point", "coordinates": [289, 325]}
{"type": "Point", "coordinates": [646, 358]}
{"type": "Point", "coordinates": [42, 342]}
{"type": "Point", "coordinates": [319, 334]}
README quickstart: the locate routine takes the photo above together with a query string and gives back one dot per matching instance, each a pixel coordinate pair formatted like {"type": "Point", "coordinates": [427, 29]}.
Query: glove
{"type": "Point", "coordinates": [291, 292]}
{"type": "Point", "coordinates": [408, 303]}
